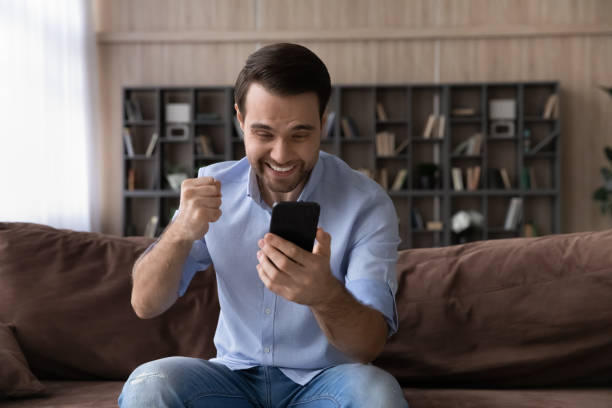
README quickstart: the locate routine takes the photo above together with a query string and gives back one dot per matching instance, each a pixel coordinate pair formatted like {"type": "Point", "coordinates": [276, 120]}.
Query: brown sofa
{"type": "Point", "coordinates": [506, 323]}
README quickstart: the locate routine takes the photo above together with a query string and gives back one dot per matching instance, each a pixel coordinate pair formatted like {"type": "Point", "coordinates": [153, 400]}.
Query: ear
{"type": "Point", "coordinates": [239, 116]}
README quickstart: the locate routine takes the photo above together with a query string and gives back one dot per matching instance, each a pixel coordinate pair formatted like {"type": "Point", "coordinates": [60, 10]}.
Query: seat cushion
{"type": "Point", "coordinates": [515, 398]}
{"type": "Point", "coordinates": [519, 312]}
{"type": "Point", "coordinates": [68, 295]}
{"type": "Point", "coordinates": [73, 394]}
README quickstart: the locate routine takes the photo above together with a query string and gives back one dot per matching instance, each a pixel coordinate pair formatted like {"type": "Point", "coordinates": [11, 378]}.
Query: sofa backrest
{"type": "Point", "coordinates": [67, 294]}
{"type": "Point", "coordinates": [505, 313]}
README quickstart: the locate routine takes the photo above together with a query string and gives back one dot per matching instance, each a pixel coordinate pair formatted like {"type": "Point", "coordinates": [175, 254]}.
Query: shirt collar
{"type": "Point", "coordinates": [315, 177]}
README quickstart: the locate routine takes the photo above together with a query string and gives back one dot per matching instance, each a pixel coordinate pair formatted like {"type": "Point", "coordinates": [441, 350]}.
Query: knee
{"type": "Point", "coordinates": [153, 381]}
{"type": "Point", "coordinates": [371, 386]}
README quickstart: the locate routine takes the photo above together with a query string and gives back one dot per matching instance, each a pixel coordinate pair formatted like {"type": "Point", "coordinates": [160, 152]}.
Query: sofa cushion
{"type": "Point", "coordinates": [505, 313]}
{"type": "Point", "coordinates": [68, 295]}
{"type": "Point", "coordinates": [16, 380]}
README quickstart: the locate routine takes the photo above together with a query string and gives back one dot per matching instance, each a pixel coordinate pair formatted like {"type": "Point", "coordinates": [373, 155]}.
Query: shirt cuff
{"type": "Point", "coordinates": [378, 295]}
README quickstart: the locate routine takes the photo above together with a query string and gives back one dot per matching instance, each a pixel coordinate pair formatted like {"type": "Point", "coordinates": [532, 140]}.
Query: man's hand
{"type": "Point", "coordinates": [200, 205]}
{"type": "Point", "coordinates": [297, 275]}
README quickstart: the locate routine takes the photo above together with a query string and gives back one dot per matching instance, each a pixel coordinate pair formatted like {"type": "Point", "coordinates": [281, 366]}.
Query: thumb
{"type": "Point", "coordinates": [323, 245]}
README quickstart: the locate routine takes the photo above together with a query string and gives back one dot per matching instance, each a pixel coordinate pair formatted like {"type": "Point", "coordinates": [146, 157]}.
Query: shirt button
{"type": "Point", "coordinates": [267, 350]}
{"type": "Point", "coordinates": [268, 311]}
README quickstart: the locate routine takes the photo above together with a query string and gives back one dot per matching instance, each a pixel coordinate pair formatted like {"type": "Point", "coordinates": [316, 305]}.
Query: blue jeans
{"type": "Point", "coordinates": [191, 382]}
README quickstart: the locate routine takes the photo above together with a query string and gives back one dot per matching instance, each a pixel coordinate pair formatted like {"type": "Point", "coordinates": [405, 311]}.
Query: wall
{"type": "Point", "coordinates": [205, 42]}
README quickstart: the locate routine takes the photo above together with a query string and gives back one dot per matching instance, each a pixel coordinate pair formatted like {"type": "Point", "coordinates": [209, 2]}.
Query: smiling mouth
{"type": "Point", "coordinates": [281, 171]}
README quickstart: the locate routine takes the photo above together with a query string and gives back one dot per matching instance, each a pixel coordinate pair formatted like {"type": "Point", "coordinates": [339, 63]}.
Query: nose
{"type": "Point", "coordinates": [281, 151]}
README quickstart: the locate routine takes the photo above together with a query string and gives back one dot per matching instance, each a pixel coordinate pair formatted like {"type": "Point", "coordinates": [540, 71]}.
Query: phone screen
{"type": "Point", "coordinates": [296, 221]}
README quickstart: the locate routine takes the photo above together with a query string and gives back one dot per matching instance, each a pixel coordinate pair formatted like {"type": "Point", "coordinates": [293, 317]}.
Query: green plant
{"type": "Point", "coordinates": [604, 193]}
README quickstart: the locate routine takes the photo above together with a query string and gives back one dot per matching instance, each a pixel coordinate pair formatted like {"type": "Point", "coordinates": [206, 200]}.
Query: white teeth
{"type": "Point", "coordinates": [280, 169]}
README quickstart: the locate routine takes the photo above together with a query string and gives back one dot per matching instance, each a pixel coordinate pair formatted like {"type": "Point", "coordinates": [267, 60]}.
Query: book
{"type": "Point", "coordinates": [204, 146]}
{"type": "Point", "coordinates": [151, 228]}
{"type": "Point", "coordinates": [401, 147]}
{"type": "Point", "coordinates": [380, 112]}
{"type": "Point", "coordinates": [513, 214]}
{"type": "Point", "coordinates": [550, 108]}
{"type": "Point", "coordinates": [349, 128]}
{"type": "Point", "coordinates": [457, 179]}
{"type": "Point", "coordinates": [400, 179]}
{"type": "Point", "coordinates": [435, 226]}
{"type": "Point", "coordinates": [328, 130]}
{"type": "Point", "coordinates": [463, 112]}
{"type": "Point", "coordinates": [417, 220]}
{"type": "Point", "coordinates": [383, 178]}
{"type": "Point", "coordinates": [127, 140]}
{"type": "Point", "coordinates": [505, 179]}
{"type": "Point", "coordinates": [475, 144]}
{"type": "Point", "coordinates": [152, 144]}
{"type": "Point", "coordinates": [385, 142]}
{"type": "Point", "coordinates": [494, 179]}
{"type": "Point", "coordinates": [131, 180]}
{"type": "Point", "coordinates": [365, 172]}
{"type": "Point", "coordinates": [544, 142]}
{"type": "Point", "coordinates": [441, 124]}
{"type": "Point", "coordinates": [473, 177]}
{"type": "Point", "coordinates": [429, 125]}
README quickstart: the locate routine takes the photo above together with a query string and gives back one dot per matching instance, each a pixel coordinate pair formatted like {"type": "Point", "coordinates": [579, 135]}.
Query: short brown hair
{"type": "Point", "coordinates": [284, 69]}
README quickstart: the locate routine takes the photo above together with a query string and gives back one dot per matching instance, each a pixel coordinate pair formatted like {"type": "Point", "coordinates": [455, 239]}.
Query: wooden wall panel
{"type": "Point", "coordinates": [580, 61]}
{"type": "Point", "coordinates": [343, 14]}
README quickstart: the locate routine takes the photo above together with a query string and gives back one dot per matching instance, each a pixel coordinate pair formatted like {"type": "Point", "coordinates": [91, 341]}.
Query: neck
{"type": "Point", "coordinates": [271, 197]}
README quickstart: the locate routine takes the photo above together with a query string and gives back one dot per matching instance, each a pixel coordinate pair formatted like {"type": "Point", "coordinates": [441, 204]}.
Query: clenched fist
{"type": "Point", "coordinates": [200, 205]}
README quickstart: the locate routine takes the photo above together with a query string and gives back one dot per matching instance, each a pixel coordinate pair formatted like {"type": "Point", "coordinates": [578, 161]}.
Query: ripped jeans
{"type": "Point", "coordinates": [191, 382]}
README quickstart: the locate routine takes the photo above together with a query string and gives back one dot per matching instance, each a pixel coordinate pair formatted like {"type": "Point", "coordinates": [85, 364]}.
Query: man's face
{"type": "Point", "coordinates": [282, 136]}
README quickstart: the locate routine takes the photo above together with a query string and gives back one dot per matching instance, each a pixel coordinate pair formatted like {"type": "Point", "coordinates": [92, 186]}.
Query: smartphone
{"type": "Point", "coordinates": [296, 221]}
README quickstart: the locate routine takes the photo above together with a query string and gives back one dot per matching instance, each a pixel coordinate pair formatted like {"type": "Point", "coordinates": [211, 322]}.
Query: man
{"type": "Point", "coordinates": [296, 328]}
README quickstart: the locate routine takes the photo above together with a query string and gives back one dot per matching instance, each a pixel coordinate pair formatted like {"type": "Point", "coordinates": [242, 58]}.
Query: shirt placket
{"type": "Point", "coordinates": [267, 335]}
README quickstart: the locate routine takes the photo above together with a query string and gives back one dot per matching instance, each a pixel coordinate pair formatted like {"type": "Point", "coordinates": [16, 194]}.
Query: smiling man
{"type": "Point", "coordinates": [296, 328]}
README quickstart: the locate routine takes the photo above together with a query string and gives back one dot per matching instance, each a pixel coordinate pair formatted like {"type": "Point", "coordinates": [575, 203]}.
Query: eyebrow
{"type": "Point", "coordinates": [296, 127]}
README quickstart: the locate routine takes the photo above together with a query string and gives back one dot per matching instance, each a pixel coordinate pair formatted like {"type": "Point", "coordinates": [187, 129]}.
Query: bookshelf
{"type": "Point", "coordinates": [429, 132]}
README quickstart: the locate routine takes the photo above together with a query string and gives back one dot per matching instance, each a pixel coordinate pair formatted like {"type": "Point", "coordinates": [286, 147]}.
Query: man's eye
{"type": "Point", "coordinates": [300, 135]}
{"type": "Point", "coordinates": [264, 135]}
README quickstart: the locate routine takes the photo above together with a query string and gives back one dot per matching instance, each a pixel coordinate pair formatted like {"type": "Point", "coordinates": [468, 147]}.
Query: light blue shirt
{"type": "Point", "coordinates": [257, 327]}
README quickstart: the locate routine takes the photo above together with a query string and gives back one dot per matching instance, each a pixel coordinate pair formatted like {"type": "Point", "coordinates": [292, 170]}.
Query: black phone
{"type": "Point", "coordinates": [296, 221]}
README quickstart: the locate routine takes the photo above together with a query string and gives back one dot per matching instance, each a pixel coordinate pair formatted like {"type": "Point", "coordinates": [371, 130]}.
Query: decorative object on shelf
{"type": "Point", "coordinates": [178, 112]}
{"type": "Point", "coordinates": [604, 193]}
{"type": "Point", "coordinates": [177, 132]}
{"type": "Point", "coordinates": [175, 176]}
{"type": "Point", "coordinates": [204, 146]}
{"type": "Point", "coordinates": [349, 128]}
{"type": "Point", "coordinates": [465, 224]}
{"type": "Point", "coordinates": [502, 113]}
{"type": "Point", "coordinates": [428, 176]}
{"type": "Point", "coordinates": [381, 114]}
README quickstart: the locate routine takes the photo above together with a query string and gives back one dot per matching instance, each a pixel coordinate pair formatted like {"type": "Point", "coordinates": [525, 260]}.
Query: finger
{"type": "Point", "coordinates": [323, 245]}
{"type": "Point", "coordinates": [274, 275]}
{"type": "Point", "coordinates": [202, 181]}
{"type": "Point", "coordinates": [208, 202]}
{"type": "Point", "coordinates": [278, 259]}
{"type": "Point", "coordinates": [210, 190]}
{"type": "Point", "coordinates": [214, 215]}
{"type": "Point", "coordinates": [292, 251]}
